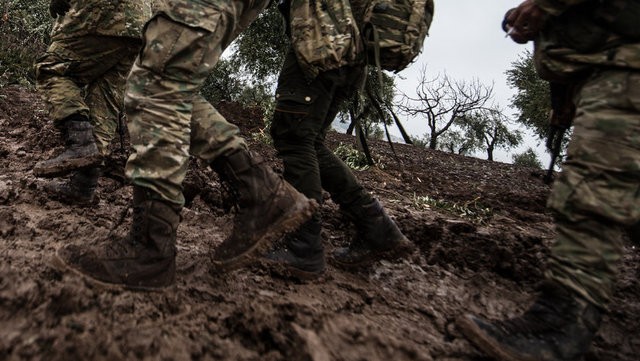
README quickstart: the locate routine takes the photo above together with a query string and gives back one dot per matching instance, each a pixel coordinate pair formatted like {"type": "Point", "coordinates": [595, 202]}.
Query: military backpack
{"type": "Point", "coordinates": [394, 31]}
{"type": "Point", "coordinates": [324, 34]}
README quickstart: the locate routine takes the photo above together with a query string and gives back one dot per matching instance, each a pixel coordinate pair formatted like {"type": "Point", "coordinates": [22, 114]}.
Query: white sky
{"type": "Point", "coordinates": [467, 42]}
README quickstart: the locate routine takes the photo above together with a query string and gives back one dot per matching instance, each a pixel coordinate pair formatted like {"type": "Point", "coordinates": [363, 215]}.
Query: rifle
{"type": "Point", "coordinates": [563, 110]}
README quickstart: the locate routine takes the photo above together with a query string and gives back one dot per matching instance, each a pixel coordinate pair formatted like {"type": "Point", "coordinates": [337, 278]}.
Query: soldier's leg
{"type": "Point", "coordinates": [336, 177]}
{"type": "Point", "coordinates": [61, 83]}
{"type": "Point", "coordinates": [105, 94]}
{"type": "Point", "coordinates": [106, 74]}
{"type": "Point", "coordinates": [101, 65]}
{"type": "Point", "coordinates": [301, 110]}
{"type": "Point", "coordinates": [298, 121]}
{"type": "Point", "coordinates": [63, 94]}
{"type": "Point", "coordinates": [268, 206]}
{"type": "Point", "coordinates": [182, 45]}
{"type": "Point", "coordinates": [159, 90]}
{"type": "Point", "coordinates": [377, 235]}
{"type": "Point", "coordinates": [598, 193]}
{"type": "Point", "coordinates": [181, 48]}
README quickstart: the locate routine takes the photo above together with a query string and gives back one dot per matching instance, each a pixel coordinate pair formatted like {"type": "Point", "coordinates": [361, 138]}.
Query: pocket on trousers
{"type": "Point", "coordinates": [612, 197]}
{"type": "Point", "coordinates": [294, 102]}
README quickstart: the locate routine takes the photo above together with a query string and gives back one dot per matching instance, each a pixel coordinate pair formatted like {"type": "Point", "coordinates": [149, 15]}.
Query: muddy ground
{"type": "Point", "coordinates": [482, 248]}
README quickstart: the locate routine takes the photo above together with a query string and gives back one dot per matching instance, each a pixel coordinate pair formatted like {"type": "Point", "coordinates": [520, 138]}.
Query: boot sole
{"type": "Point", "coordinates": [59, 196]}
{"type": "Point", "coordinates": [58, 263]}
{"type": "Point", "coordinates": [289, 222]}
{"type": "Point", "coordinates": [485, 343]}
{"type": "Point", "coordinates": [286, 271]}
{"type": "Point", "coordinates": [401, 251]}
{"type": "Point", "coordinates": [66, 167]}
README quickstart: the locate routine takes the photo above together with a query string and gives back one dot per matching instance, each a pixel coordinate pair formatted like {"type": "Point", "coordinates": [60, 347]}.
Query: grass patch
{"type": "Point", "coordinates": [472, 210]}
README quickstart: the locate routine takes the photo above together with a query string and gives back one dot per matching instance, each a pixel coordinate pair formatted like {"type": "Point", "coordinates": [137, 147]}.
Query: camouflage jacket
{"type": "Point", "coordinates": [555, 58]}
{"type": "Point", "coordinates": [103, 17]}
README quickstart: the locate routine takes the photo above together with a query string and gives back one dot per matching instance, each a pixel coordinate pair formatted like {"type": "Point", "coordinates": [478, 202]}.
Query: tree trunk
{"type": "Point", "coordinates": [490, 154]}
{"type": "Point", "coordinates": [433, 142]}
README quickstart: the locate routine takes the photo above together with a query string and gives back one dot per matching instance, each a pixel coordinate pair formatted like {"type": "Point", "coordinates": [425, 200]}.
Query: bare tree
{"type": "Point", "coordinates": [442, 102]}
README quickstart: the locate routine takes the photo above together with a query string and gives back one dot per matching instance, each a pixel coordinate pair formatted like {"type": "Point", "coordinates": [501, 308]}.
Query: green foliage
{"type": "Point", "coordinates": [472, 210]}
{"type": "Point", "coordinates": [352, 157]}
{"type": "Point", "coordinates": [533, 95]}
{"type": "Point", "coordinates": [227, 84]}
{"type": "Point", "coordinates": [422, 142]}
{"type": "Point", "coordinates": [490, 130]}
{"type": "Point", "coordinates": [527, 159]}
{"type": "Point", "coordinates": [222, 84]}
{"type": "Point", "coordinates": [457, 142]}
{"type": "Point", "coordinates": [260, 49]}
{"type": "Point", "coordinates": [24, 35]}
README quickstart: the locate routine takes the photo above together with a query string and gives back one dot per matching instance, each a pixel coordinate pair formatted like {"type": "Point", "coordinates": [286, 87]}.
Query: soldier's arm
{"type": "Point", "coordinates": [557, 7]}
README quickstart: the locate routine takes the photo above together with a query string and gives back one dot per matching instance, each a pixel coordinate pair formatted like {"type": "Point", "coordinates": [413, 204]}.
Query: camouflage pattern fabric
{"type": "Point", "coordinates": [86, 75]}
{"type": "Point", "coordinates": [597, 196]}
{"type": "Point", "coordinates": [102, 17]}
{"type": "Point", "coordinates": [598, 193]}
{"type": "Point", "coordinates": [168, 119]}
{"type": "Point", "coordinates": [555, 61]}
{"type": "Point", "coordinates": [324, 35]}
{"type": "Point", "coordinates": [396, 31]}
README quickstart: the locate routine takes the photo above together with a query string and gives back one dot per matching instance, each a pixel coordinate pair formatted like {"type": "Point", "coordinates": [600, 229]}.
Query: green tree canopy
{"type": "Point", "coordinates": [528, 158]}
{"type": "Point", "coordinates": [260, 49]}
{"type": "Point", "coordinates": [457, 142]}
{"type": "Point", "coordinates": [532, 97]}
{"type": "Point", "coordinates": [490, 128]}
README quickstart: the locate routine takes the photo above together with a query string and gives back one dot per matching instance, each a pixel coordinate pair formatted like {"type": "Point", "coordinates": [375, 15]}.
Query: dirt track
{"type": "Point", "coordinates": [402, 311]}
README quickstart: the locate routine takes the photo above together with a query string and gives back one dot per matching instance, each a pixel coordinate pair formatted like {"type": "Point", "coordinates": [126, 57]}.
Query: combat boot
{"type": "Point", "coordinates": [78, 190]}
{"type": "Point", "coordinates": [302, 256]}
{"type": "Point", "coordinates": [268, 208]}
{"type": "Point", "coordinates": [559, 326]}
{"type": "Point", "coordinates": [146, 260]}
{"type": "Point", "coordinates": [377, 237]}
{"type": "Point", "coordinates": [81, 150]}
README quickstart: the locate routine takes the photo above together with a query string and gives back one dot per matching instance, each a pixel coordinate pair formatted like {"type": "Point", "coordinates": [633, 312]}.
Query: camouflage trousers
{"type": "Point", "coordinates": [597, 196]}
{"type": "Point", "coordinates": [304, 113]}
{"type": "Point", "coordinates": [168, 119]}
{"type": "Point", "coordinates": [86, 75]}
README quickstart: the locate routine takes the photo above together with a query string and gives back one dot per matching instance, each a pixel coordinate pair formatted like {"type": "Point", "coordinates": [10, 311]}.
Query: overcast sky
{"type": "Point", "coordinates": [466, 42]}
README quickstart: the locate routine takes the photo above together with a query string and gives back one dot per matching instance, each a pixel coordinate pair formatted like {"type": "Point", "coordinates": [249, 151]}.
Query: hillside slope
{"type": "Point", "coordinates": [481, 229]}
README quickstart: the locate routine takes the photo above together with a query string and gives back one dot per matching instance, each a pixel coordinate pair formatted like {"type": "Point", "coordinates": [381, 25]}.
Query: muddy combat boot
{"type": "Point", "coordinates": [81, 150]}
{"type": "Point", "coordinates": [302, 256]}
{"type": "Point", "coordinates": [268, 208]}
{"type": "Point", "coordinates": [377, 237]}
{"type": "Point", "coordinates": [146, 260]}
{"type": "Point", "coordinates": [78, 190]}
{"type": "Point", "coordinates": [559, 326]}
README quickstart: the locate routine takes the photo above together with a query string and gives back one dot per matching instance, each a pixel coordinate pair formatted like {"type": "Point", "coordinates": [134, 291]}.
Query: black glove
{"type": "Point", "coordinates": [58, 7]}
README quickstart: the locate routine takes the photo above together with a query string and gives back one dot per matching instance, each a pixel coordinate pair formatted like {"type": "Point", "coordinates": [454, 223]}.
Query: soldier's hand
{"type": "Point", "coordinates": [58, 7]}
{"type": "Point", "coordinates": [505, 22]}
{"type": "Point", "coordinates": [524, 22]}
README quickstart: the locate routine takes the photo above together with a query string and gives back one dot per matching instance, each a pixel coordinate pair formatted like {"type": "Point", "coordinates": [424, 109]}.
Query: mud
{"type": "Point", "coordinates": [486, 255]}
